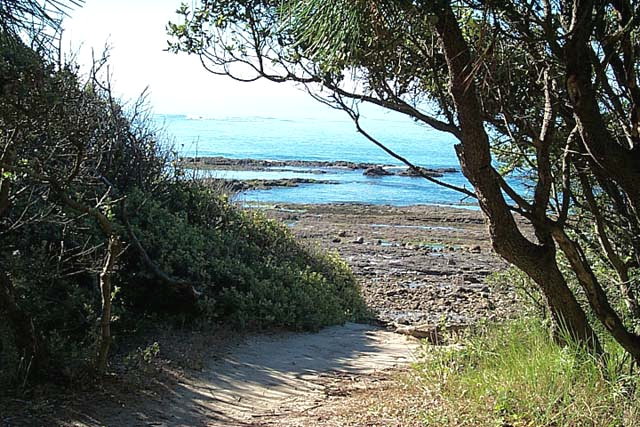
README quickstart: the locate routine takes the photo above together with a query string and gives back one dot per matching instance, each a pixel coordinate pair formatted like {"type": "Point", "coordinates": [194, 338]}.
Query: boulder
{"type": "Point", "coordinates": [376, 171]}
{"type": "Point", "coordinates": [420, 172]}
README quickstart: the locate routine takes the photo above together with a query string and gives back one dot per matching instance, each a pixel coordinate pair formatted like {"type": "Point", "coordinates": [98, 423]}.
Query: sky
{"type": "Point", "coordinates": [178, 84]}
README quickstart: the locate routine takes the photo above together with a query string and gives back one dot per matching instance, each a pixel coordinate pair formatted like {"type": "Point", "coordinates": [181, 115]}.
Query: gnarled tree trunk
{"type": "Point", "coordinates": [536, 260]}
{"type": "Point", "coordinates": [113, 248]}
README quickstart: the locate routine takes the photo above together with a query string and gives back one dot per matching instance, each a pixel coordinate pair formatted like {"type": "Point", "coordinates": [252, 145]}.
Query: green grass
{"type": "Point", "coordinates": [514, 374]}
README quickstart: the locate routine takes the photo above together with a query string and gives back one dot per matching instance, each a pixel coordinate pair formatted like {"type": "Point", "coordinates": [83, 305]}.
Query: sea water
{"type": "Point", "coordinates": [326, 140]}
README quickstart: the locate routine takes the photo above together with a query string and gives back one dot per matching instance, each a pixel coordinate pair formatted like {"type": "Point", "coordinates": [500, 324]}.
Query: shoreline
{"type": "Point", "coordinates": [249, 164]}
{"type": "Point", "coordinates": [418, 266]}
{"type": "Point", "coordinates": [276, 205]}
{"type": "Point", "coordinates": [301, 181]}
{"type": "Point", "coordinates": [238, 186]}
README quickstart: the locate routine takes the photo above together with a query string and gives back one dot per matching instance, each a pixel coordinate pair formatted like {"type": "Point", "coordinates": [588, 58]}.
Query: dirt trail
{"type": "Point", "coordinates": [264, 378]}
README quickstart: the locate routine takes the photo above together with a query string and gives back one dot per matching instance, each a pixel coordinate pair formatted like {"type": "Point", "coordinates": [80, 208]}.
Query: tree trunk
{"type": "Point", "coordinates": [32, 351]}
{"type": "Point", "coordinates": [537, 261]}
{"type": "Point", "coordinates": [105, 318]}
{"type": "Point", "coordinates": [621, 164]}
{"type": "Point", "coordinates": [597, 296]}
{"type": "Point", "coordinates": [566, 312]}
{"type": "Point", "coordinates": [617, 263]}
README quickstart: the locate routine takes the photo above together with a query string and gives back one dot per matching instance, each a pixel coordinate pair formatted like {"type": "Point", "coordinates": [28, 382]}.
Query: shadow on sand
{"type": "Point", "coordinates": [263, 375]}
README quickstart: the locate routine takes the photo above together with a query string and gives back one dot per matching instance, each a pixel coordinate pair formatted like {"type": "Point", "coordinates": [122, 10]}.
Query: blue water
{"type": "Point", "coordinates": [311, 139]}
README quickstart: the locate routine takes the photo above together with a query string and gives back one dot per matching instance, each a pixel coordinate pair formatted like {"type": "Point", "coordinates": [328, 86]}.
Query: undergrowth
{"type": "Point", "coordinates": [515, 375]}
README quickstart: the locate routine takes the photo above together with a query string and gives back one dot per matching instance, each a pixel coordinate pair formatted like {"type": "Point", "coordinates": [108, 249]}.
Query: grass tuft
{"type": "Point", "coordinates": [515, 375]}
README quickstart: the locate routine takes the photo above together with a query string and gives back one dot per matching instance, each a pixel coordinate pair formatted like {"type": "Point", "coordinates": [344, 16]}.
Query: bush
{"type": "Point", "coordinates": [73, 161]}
{"type": "Point", "coordinates": [249, 269]}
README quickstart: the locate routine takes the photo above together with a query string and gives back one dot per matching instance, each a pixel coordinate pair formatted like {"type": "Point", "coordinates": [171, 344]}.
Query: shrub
{"type": "Point", "coordinates": [80, 170]}
{"type": "Point", "coordinates": [250, 269]}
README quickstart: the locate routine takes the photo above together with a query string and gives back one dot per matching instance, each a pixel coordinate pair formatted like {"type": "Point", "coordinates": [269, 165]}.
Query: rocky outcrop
{"type": "Point", "coordinates": [237, 186]}
{"type": "Point", "coordinates": [370, 169]}
{"type": "Point", "coordinates": [418, 266]}
{"type": "Point", "coordinates": [376, 171]}
{"type": "Point", "coordinates": [420, 172]}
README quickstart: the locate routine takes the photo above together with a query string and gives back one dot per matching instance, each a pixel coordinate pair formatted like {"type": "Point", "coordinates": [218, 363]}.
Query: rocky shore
{"type": "Point", "coordinates": [417, 265]}
{"type": "Point", "coordinates": [306, 166]}
{"type": "Point", "coordinates": [233, 186]}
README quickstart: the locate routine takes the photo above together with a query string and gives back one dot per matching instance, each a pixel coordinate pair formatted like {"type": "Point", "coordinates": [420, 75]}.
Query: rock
{"type": "Point", "coordinates": [394, 292]}
{"type": "Point", "coordinates": [428, 332]}
{"type": "Point", "coordinates": [402, 320]}
{"type": "Point", "coordinates": [480, 288]}
{"type": "Point", "coordinates": [359, 240]}
{"type": "Point", "coordinates": [342, 234]}
{"type": "Point", "coordinates": [434, 173]}
{"type": "Point", "coordinates": [463, 289]}
{"type": "Point", "coordinates": [451, 262]}
{"type": "Point", "coordinates": [475, 249]}
{"type": "Point", "coordinates": [376, 171]}
{"type": "Point", "coordinates": [337, 240]}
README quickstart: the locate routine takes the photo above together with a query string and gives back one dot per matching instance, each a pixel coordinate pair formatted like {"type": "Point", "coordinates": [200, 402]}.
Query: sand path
{"type": "Point", "coordinates": [265, 377]}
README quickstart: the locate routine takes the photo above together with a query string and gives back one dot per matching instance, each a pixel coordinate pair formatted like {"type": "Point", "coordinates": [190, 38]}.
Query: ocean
{"type": "Point", "coordinates": [326, 140]}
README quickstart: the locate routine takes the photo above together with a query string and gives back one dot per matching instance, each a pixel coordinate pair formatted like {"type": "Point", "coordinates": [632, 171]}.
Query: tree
{"type": "Point", "coordinates": [544, 90]}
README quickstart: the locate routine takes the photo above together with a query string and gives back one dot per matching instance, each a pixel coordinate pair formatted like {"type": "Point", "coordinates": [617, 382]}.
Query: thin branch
{"type": "Point", "coordinates": [356, 119]}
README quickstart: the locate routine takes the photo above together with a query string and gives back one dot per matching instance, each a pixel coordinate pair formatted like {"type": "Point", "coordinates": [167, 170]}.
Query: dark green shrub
{"type": "Point", "coordinates": [249, 268]}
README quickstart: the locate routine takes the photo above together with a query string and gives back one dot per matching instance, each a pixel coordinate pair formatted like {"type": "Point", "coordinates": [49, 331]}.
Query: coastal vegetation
{"type": "Point", "coordinates": [512, 374]}
{"type": "Point", "coordinates": [100, 232]}
{"type": "Point", "coordinates": [545, 92]}
{"type": "Point", "coordinates": [103, 231]}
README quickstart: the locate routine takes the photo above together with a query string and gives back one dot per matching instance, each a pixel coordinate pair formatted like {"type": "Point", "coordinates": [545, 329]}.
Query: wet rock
{"type": "Point", "coordinates": [395, 292]}
{"type": "Point", "coordinates": [376, 171]}
{"type": "Point", "coordinates": [386, 265]}
{"type": "Point", "coordinates": [479, 288]}
{"type": "Point", "coordinates": [419, 172]}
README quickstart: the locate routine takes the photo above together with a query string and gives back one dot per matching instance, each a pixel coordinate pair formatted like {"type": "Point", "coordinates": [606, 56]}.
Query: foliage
{"type": "Point", "coordinates": [514, 374]}
{"type": "Point", "coordinates": [98, 232]}
{"type": "Point", "coordinates": [249, 269]}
